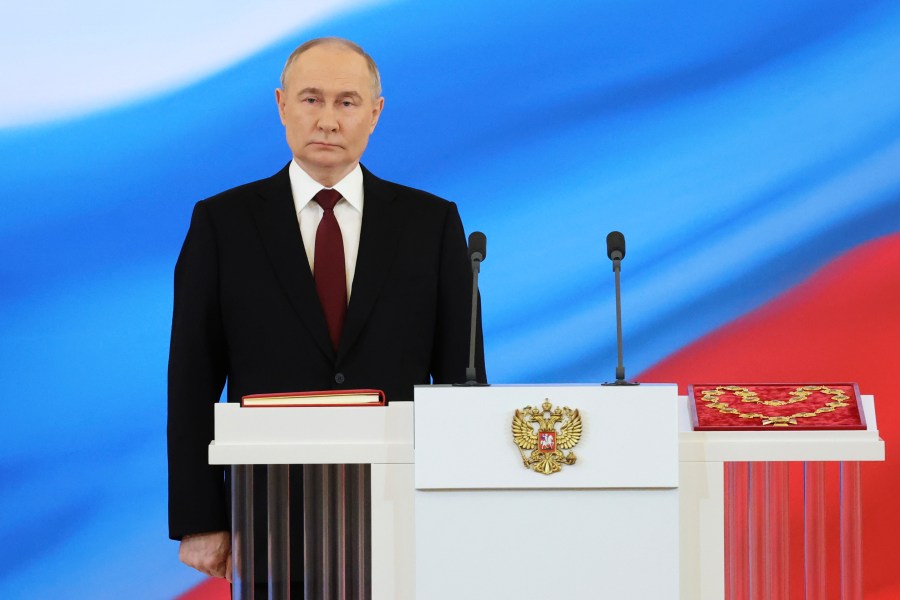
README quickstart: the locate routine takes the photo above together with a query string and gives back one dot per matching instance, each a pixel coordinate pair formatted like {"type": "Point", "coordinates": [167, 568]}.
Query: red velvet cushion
{"type": "Point", "coordinates": [711, 403]}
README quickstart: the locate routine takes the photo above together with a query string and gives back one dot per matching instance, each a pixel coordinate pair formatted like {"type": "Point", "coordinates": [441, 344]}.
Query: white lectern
{"type": "Point", "coordinates": [604, 527]}
{"type": "Point", "coordinates": [640, 514]}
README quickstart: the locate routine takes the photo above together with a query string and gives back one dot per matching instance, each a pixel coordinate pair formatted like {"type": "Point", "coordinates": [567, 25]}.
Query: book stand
{"type": "Point", "coordinates": [734, 509]}
{"type": "Point", "coordinates": [349, 453]}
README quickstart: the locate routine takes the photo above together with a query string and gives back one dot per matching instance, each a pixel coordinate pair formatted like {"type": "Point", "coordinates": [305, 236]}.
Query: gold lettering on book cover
{"type": "Point", "coordinates": [714, 397]}
{"type": "Point", "coordinates": [545, 432]}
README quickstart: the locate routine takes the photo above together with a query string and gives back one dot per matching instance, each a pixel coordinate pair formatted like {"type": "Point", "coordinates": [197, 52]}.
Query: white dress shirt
{"type": "Point", "coordinates": [347, 211]}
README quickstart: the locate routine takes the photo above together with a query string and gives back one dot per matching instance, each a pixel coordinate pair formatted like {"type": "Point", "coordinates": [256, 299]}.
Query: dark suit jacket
{"type": "Point", "coordinates": [246, 310]}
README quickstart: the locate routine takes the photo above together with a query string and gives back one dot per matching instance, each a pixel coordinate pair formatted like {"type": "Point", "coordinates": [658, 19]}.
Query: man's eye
{"type": "Point", "coordinates": [347, 103]}
{"type": "Point", "coordinates": [310, 100]}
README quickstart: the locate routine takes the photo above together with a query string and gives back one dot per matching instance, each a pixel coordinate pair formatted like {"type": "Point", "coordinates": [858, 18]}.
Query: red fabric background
{"type": "Point", "coordinates": [854, 300]}
{"type": "Point", "coordinates": [843, 324]}
{"type": "Point", "coordinates": [211, 589]}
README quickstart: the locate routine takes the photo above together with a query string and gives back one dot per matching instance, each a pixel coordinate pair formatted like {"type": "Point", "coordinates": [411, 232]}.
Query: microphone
{"type": "Point", "coordinates": [615, 250]}
{"type": "Point", "coordinates": [477, 249]}
{"type": "Point", "coordinates": [615, 245]}
{"type": "Point", "coordinates": [477, 254]}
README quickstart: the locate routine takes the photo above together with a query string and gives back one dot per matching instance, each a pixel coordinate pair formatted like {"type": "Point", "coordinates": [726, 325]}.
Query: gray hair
{"type": "Point", "coordinates": [344, 43]}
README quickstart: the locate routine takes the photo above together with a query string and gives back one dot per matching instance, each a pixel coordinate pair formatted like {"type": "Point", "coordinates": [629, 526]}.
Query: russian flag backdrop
{"type": "Point", "coordinates": [749, 151]}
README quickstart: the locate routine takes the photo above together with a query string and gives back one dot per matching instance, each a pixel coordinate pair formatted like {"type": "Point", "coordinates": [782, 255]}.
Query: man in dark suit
{"type": "Point", "coordinates": [322, 276]}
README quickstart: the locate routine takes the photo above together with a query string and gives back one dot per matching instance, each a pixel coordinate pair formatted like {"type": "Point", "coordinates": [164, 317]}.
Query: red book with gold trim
{"type": "Point", "coordinates": [320, 398]}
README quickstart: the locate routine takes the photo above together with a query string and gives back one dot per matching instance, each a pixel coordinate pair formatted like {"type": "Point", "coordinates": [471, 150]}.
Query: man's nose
{"type": "Point", "coordinates": [327, 119]}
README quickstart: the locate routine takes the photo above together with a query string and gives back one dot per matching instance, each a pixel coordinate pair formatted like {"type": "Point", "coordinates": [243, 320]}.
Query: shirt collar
{"type": "Point", "coordinates": [304, 187]}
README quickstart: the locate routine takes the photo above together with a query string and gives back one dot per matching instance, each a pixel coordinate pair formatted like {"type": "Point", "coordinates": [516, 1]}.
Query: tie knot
{"type": "Point", "coordinates": [327, 198]}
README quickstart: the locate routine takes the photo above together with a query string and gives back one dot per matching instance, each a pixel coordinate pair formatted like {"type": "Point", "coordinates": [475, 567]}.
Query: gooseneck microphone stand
{"type": "Point", "coordinates": [477, 254]}
{"type": "Point", "coordinates": [615, 250]}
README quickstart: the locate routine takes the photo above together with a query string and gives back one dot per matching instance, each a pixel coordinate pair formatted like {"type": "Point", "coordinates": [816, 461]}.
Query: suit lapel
{"type": "Point", "coordinates": [381, 225]}
{"type": "Point", "coordinates": [276, 219]}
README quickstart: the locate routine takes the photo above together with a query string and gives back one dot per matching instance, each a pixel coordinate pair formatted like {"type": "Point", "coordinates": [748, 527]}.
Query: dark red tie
{"type": "Point", "coordinates": [328, 266]}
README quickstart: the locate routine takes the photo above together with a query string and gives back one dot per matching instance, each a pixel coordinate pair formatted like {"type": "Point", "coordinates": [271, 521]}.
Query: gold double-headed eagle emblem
{"type": "Point", "coordinates": [535, 429]}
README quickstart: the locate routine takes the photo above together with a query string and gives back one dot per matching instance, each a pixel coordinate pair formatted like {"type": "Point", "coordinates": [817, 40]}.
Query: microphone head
{"type": "Point", "coordinates": [615, 245]}
{"type": "Point", "coordinates": [477, 246]}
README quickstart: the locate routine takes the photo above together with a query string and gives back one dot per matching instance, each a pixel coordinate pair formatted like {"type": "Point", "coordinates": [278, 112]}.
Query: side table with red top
{"type": "Point", "coordinates": [735, 482]}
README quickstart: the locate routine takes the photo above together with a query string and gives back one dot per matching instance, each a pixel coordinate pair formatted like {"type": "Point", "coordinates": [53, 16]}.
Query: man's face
{"type": "Point", "coordinates": [328, 111]}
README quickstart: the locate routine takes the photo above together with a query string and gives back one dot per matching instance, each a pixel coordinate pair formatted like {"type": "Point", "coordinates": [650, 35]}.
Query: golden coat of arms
{"type": "Point", "coordinates": [535, 429]}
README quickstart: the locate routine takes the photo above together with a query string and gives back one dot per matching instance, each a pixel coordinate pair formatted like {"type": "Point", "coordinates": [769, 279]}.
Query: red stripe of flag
{"type": "Point", "coordinates": [842, 324]}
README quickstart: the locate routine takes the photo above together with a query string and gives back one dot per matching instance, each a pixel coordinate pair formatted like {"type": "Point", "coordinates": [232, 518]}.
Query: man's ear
{"type": "Point", "coordinates": [376, 113]}
{"type": "Point", "coordinates": [279, 101]}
